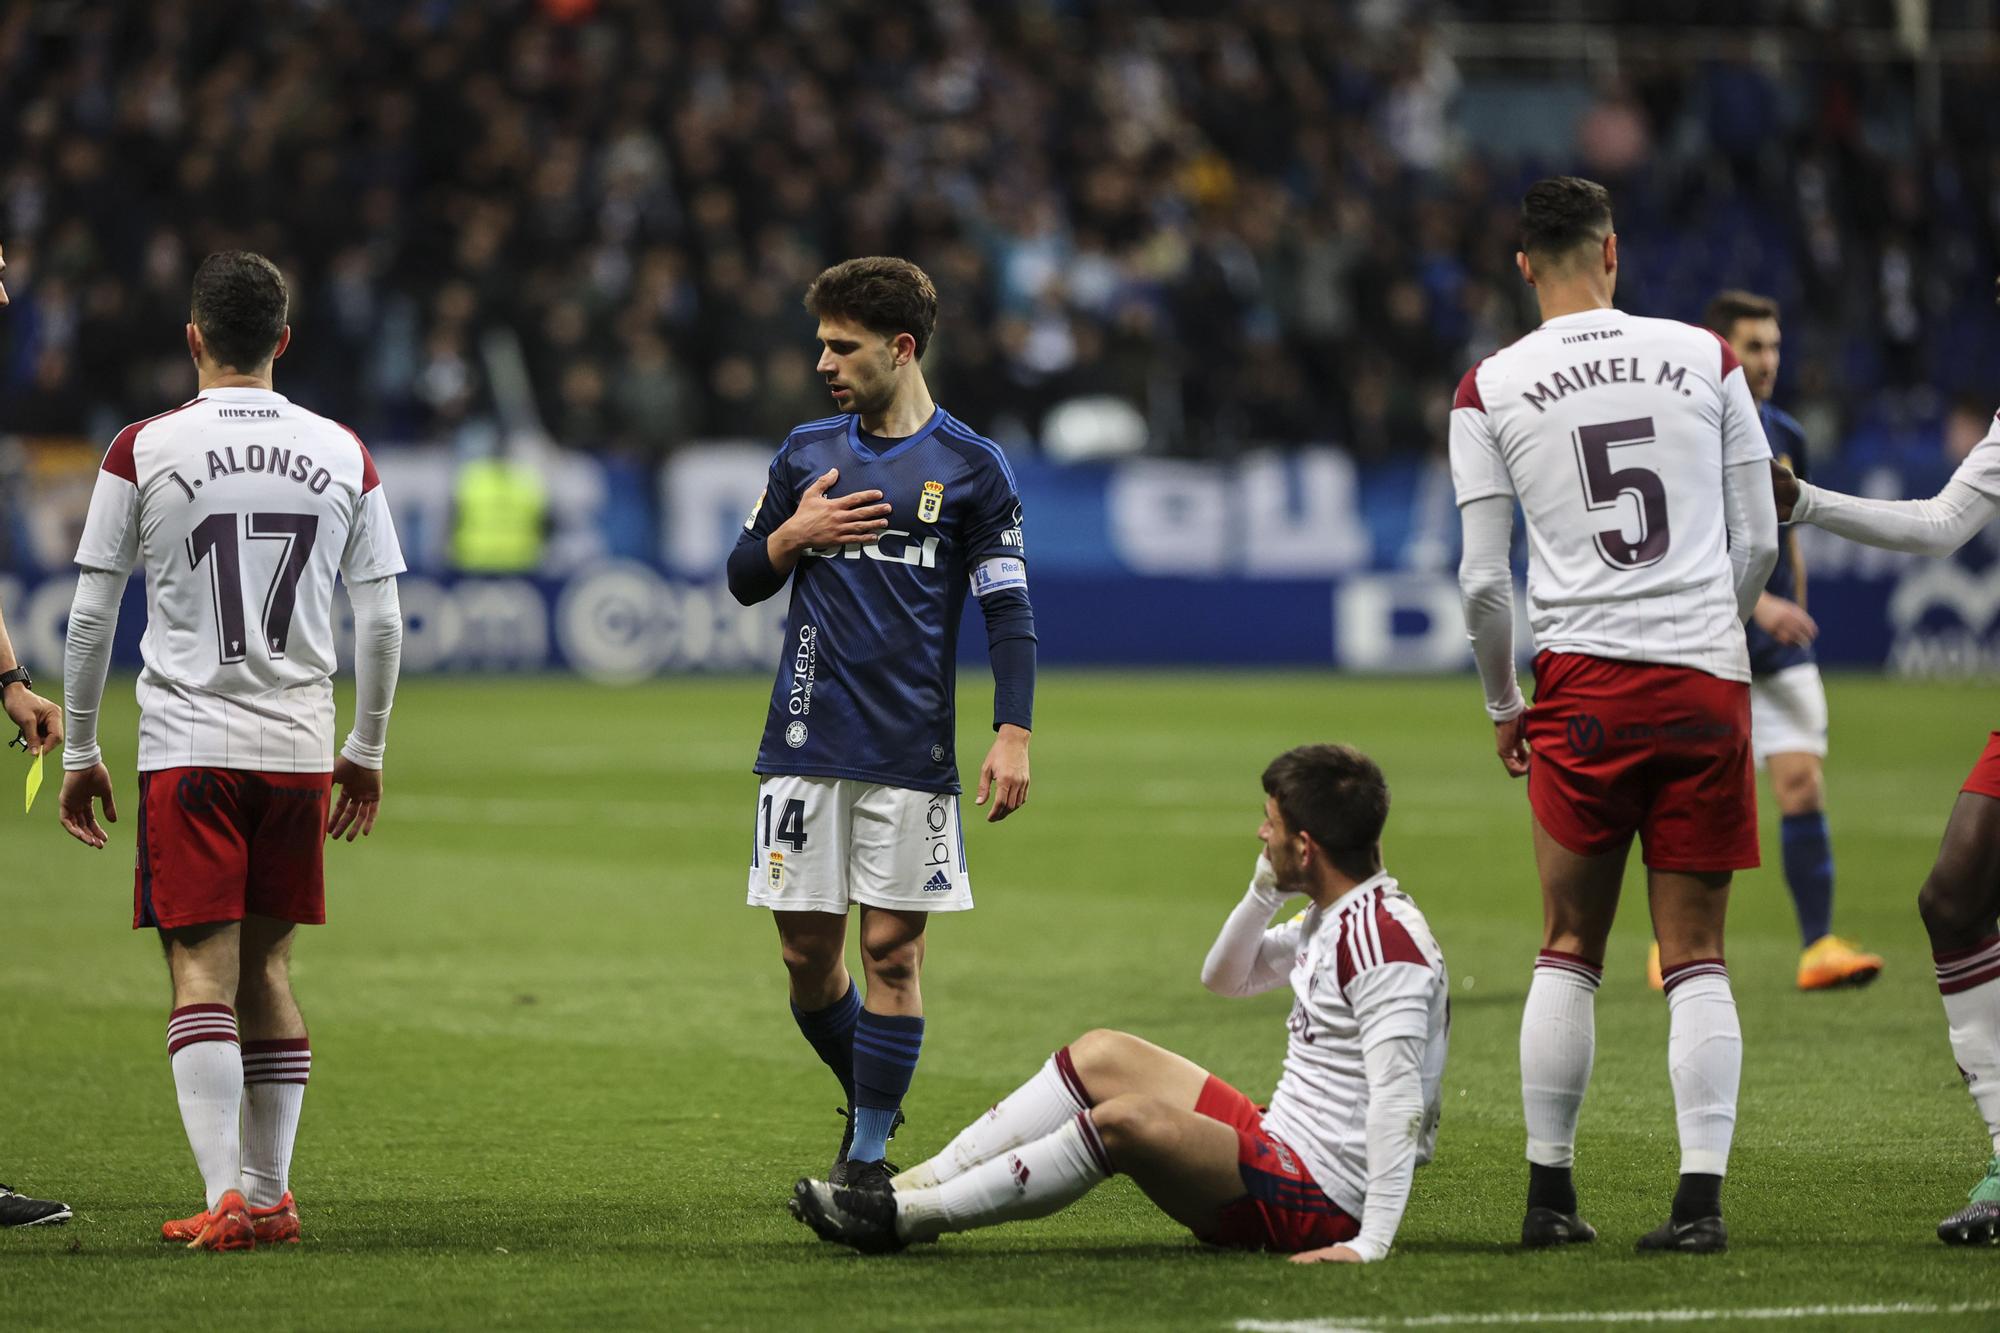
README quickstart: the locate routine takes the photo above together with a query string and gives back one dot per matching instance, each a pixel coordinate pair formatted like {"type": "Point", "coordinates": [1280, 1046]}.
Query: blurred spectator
{"type": "Point", "coordinates": [1263, 222]}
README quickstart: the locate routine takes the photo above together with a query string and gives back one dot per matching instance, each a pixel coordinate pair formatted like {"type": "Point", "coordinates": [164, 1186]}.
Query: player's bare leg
{"type": "Point", "coordinates": [888, 1037]}
{"type": "Point", "coordinates": [826, 1004]}
{"type": "Point", "coordinates": [202, 1043]}
{"type": "Point", "coordinates": [1704, 1051]}
{"type": "Point", "coordinates": [1559, 1028]}
{"type": "Point", "coordinates": [1960, 903]}
{"type": "Point", "coordinates": [1097, 1067]}
{"type": "Point", "coordinates": [277, 1060]}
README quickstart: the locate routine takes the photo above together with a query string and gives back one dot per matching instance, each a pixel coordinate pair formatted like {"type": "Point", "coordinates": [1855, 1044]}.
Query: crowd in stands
{"type": "Point", "coordinates": [1270, 221]}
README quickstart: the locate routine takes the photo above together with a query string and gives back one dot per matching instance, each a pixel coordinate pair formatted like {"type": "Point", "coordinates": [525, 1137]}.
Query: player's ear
{"type": "Point", "coordinates": [1527, 269]}
{"type": "Point", "coordinates": [284, 341]}
{"type": "Point", "coordinates": [904, 347]}
{"type": "Point", "coordinates": [194, 342]}
{"type": "Point", "coordinates": [1611, 253]}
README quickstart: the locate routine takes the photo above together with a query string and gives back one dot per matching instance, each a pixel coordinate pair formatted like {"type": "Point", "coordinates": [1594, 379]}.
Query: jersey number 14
{"type": "Point", "coordinates": [214, 539]}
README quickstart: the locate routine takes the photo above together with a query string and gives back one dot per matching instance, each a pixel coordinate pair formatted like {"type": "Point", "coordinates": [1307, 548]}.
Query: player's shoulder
{"type": "Point", "coordinates": [1709, 349]}
{"type": "Point", "coordinates": [1777, 421]}
{"type": "Point", "coordinates": [1379, 927]}
{"type": "Point", "coordinates": [979, 452]}
{"type": "Point", "coordinates": [338, 442]}
{"type": "Point", "coordinates": [121, 458]}
{"type": "Point", "coordinates": [807, 432]}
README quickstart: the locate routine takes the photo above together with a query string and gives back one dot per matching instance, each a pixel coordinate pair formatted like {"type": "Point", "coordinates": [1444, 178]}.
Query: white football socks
{"type": "Point", "coordinates": [274, 1090]}
{"type": "Point", "coordinates": [208, 1076]}
{"type": "Point", "coordinates": [1033, 1180]}
{"type": "Point", "coordinates": [1034, 1110]}
{"type": "Point", "coordinates": [1969, 980]}
{"type": "Point", "coordinates": [1704, 1062]}
{"type": "Point", "coordinates": [1558, 1044]}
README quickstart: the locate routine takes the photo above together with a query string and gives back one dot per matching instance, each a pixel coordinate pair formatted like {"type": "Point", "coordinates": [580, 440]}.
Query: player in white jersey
{"type": "Point", "coordinates": [1324, 1173]}
{"type": "Point", "coordinates": [242, 507]}
{"type": "Point", "coordinates": [1960, 899]}
{"type": "Point", "coordinates": [1634, 449]}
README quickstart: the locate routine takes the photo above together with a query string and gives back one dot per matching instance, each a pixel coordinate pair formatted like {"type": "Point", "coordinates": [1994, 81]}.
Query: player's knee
{"type": "Point", "coordinates": [809, 959]}
{"type": "Point", "coordinates": [895, 965]}
{"type": "Point", "coordinates": [1133, 1122]}
{"type": "Point", "coordinates": [1798, 789]}
{"type": "Point", "coordinates": [1099, 1052]}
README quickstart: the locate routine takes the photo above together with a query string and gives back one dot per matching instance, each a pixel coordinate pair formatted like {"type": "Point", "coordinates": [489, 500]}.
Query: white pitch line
{"type": "Point", "coordinates": [1537, 1318]}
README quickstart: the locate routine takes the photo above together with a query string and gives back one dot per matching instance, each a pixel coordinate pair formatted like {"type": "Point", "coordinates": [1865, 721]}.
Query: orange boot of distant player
{"type": "Point", "coordinates": [227, 1226]}
{"type": "Point", "coordinates": [276, 1225]}
{"type": "Point", "coordinates": [1653, 977]}
{"type": "Point", "coordinates": [1831, 962]}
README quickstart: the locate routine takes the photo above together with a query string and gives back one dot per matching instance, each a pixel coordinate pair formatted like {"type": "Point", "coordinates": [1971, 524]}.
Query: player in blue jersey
{"type": "Point", "coordinates": [1787, 697]}
{"type": "Point", "coordinates": [882, 516]}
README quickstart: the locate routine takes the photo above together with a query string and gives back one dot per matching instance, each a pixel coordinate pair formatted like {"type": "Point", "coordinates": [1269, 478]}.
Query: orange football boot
{"type": "Point", "coordinates": [1653, 977]}
{"type": "Point", "coordinates": [226, 1226]}
{"type": "Point", "coordinates": [1832, 962]}
{"type": "Point", "coordinates": [276, 1225]}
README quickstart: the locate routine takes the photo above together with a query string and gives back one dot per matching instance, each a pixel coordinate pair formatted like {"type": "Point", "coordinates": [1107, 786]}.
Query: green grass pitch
{"type": "Point", "coordinates": [556, 1084]}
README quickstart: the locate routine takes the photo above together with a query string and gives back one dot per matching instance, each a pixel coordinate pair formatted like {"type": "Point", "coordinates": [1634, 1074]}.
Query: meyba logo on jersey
{"type": "Point", "coordinates": [932, 503]}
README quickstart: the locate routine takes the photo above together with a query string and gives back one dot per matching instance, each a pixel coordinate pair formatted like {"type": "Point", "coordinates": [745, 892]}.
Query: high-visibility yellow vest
{"type": "Point", "coordinates": [500, 511]}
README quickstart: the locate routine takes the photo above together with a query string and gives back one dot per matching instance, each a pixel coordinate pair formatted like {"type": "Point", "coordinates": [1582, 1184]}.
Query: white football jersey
{"type": "Point", "coordinates": [1365, 970]}
{"type": "Point", "coordinates": [242, 506]}
{"type": "Point", "coordinates": [1613, 431]}
{"type": "Point", "coordinates": [1980, 469]}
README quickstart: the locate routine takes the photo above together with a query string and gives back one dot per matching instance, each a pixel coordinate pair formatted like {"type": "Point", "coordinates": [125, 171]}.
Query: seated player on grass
{"type": "Point", "coordinates": [1322, 1173]}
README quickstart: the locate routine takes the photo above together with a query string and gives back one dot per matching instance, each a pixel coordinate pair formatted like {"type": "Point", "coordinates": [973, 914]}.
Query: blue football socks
{"type": "Point", "coordinates": [1808, 856]}
{"type": "Point", "coordinates": [831, 1032]}
{"type": "Point", "coordinates": [886, 1047]}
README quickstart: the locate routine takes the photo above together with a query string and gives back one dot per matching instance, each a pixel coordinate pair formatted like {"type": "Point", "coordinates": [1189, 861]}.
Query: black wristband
{"type": "Point", "coordinates": [18, 676]}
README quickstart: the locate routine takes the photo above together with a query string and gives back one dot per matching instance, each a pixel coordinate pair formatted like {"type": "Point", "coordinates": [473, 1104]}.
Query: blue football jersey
{"type": "Point", "coordinates": [1788, 446]}
{"type": "Point", "coordinates": [865, 686]}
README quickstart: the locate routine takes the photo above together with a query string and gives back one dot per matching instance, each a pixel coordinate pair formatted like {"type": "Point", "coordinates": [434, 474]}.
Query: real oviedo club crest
{"type": "Point", "coordinates": [932, 504]}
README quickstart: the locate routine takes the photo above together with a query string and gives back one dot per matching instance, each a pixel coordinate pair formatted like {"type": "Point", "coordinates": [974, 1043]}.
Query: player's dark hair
{"type": "Point", "coordinates": [1562, 213]}
{"type": "Point", "coordinates": [1726, 308]}
{"type": "Point", "coordinates": [1337, 795]}
{"type": "Point", "coordinates": [885, 295]}
{"type": "Point", "coordinates": [239, 304]}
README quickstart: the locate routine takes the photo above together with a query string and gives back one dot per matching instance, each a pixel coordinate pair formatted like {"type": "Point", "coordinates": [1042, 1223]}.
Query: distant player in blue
{"type": "Point", "coordinates": [1787, 697]}
{"type": "Point", "coordinates": [887, 513]}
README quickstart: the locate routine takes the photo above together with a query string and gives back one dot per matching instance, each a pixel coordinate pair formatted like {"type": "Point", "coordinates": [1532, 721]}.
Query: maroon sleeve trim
{"type": "Point", "coordinates": [1468, 390]}
{"type": "Point", "coordinates": [118, 459]}
{"type": "Point", "coordinates": [369, 480]}
{"type": "Point", "coordinates": [1729, 361]}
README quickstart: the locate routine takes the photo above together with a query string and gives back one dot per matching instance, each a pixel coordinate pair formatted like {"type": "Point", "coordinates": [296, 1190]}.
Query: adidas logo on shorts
{"type": "Point", "coordinates": [938, 883]}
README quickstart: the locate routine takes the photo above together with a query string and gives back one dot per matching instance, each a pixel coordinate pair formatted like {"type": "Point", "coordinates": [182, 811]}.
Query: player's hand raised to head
{"type": "Point", "coordinates": [1332, 1254]}
{"type": "Point", "coordinates": [1004, 775]}
{"type": "Point", "coordinates": [1510, 739]}
{"type": "Point", "coordinates": [80, 787]}
{"type": "Point", "coordinates": [843, 520]}
{"type": "Point", "coordinates": [360, 799]}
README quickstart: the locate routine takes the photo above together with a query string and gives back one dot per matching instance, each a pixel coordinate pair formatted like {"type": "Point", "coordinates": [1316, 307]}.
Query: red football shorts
{"type": "Point", "coordinates": [218, 843]}
{"type": "Point", "coordinates": [1284, 1209]}
{"type": "Point", "coordinates": [1985, 776]}
{"type": "Point", "coordinates": [1633, 747]}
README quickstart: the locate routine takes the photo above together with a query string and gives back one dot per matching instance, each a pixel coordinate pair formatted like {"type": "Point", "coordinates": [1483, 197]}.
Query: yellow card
{"type": "Point", "coordinates": [34, 782]}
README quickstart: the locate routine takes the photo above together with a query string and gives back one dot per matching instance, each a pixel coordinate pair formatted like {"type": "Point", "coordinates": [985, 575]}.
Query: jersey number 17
{"type": "Point", "coordinates": [214, 539]}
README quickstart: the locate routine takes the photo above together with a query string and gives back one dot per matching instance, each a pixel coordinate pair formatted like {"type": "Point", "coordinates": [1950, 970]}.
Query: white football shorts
{"type": "Point", "coordinates": [1788, 713]}
{"type": "Point", "coordinates": [822, 844]}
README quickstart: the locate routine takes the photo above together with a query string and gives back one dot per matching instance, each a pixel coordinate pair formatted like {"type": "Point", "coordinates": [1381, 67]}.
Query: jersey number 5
{"type": "Point", "coordinates": [1605, 487]}
{"type": "Point", "coordinates": [214, 540]}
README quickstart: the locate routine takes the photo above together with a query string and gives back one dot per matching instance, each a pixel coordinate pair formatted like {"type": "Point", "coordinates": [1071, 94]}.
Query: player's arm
{"type": "Point", "coordinates": [1749, 508]}
{"type": "Point", "coordinates": [778, 532]}
{"type": "Point", "coordinates": [1485, 493]}
{"type": "Point", "coordinates": [40, 720]}
{"type": "Point", "coordinates": [997, 562]}
{"type": "Point", "coordinates": [1937, 526]}
{"type": "Point", "coordinates": [369, 566]}
{"type": "Point", "coordinates": [1393, 1006]}
{"type": "Point", "coordinates": [1251, 956]}
{"type": "Point", "coordinates": [106, 554]}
